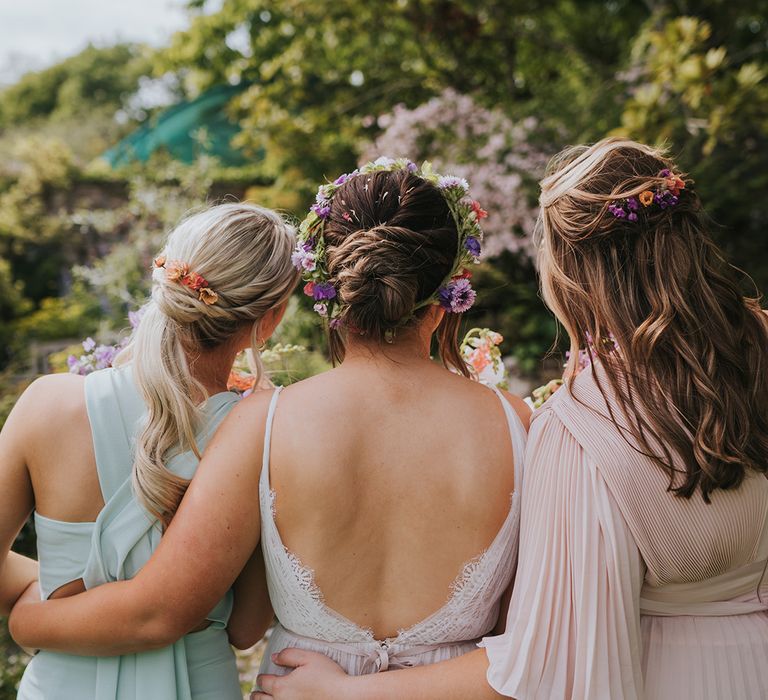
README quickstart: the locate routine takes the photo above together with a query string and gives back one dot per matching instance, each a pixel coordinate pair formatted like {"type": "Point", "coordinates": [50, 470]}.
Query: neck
{"type": "Point", "coordinates": [409, 347]}
{"type": "Point", "coordinates": [212, 367]}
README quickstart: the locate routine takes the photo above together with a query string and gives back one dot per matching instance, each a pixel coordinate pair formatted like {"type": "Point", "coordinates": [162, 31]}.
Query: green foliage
{"type": "Point", "coordinates": [710, 105]}
{"type": "Point", "coordinates": [92, 79]}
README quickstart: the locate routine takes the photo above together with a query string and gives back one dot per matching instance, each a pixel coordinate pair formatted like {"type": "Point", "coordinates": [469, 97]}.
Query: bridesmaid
{"type": "Point", "coordinates": [104, 461]}
{"type": "Point", "coordinates": [644, 538]}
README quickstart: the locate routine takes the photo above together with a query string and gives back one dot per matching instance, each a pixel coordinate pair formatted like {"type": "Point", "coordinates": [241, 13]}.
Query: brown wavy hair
{"type": "Point", "coordinates": [690, 372]}
{"type": "Point", "coordinates": [391, 241]}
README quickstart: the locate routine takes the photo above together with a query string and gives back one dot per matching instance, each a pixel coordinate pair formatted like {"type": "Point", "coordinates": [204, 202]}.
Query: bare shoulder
{"type": "Point", "coordinates": [49, 401]}
{"type": "Point", "coordinates": [522, 409]}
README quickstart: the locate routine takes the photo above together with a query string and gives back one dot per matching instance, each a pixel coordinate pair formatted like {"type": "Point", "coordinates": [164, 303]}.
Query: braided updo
{"type": "Point", "coordinates": [390, 242]}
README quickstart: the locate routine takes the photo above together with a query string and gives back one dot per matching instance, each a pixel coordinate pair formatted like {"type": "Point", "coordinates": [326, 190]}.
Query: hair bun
{"type": "Point", "coordinates": [375, 278]}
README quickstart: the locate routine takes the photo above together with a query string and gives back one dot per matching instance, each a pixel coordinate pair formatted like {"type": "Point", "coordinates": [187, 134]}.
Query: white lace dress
{"type": "Point", "coordinates": [306, 622]}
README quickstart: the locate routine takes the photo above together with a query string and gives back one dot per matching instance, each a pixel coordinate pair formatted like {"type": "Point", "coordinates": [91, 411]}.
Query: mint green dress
{"type": "Point", "coordinates": [201, 665]}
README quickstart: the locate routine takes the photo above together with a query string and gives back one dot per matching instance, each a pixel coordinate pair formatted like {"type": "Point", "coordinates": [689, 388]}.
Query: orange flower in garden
{"type": "Point", "coordinates": [646, 198]}
{"type": "Point", "coordinates": [479, 359]}
{"type": "Point", "coordinates": [176, 270]}
{"type": "Point", "coordinates": [240, 381]}
{"type": "Point", "coordinates": [208, 296]}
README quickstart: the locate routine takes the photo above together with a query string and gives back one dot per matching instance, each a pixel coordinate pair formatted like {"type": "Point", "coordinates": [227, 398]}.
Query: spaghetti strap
{"type": "Point", "coordinates": [518, 435]}
{"type": "Point", "coordinates": [268, 436]}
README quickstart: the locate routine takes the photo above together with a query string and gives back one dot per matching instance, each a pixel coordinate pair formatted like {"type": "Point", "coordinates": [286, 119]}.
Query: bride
{"type": "Point", "coordinates": [384, 492]}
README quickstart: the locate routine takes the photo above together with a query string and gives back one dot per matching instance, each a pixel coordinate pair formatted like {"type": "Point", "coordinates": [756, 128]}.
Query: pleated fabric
{"type": "Point", "coordinates": [611, 567]}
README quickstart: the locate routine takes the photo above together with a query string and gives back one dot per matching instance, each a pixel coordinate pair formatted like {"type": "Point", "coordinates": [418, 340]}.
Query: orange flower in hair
{"type": "Point", "coordinates": [160, 261]}
{"type": "Point", "coordinates": [208, 296]}
{"type": "Point", "coordinates": [646, 198]}
{"type": "Point", "coordinates": [194, 281]}
{"type": "Point", "coordinates": [176, 270]}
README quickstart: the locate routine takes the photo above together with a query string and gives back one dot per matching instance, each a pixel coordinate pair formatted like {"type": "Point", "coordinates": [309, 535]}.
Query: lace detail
{"type": "Point", "coordinates": [304, 576]}
{"type": "Point", "coordinates": [272, 499]}
{"type": "Point", "coordinates": [470, 612]}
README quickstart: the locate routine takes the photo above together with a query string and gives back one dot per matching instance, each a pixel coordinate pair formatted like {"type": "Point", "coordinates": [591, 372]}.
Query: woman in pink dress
{"type": "Point", "coordinates": [644, 537]}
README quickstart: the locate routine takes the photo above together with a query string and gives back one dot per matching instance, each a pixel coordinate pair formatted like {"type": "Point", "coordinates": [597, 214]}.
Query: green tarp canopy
{"type": "Point", "coordinates": [178, 130]}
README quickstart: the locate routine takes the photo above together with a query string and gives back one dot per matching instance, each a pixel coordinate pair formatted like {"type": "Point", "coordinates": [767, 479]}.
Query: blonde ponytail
{"type": "Point", "coordinates": [244, 252]}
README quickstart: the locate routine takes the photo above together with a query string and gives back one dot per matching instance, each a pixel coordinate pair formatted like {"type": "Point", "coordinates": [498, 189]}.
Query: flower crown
{"type": "Point", "coordinates": [455, 293]}
{"type": "Point", "coordinates": [667, 194]}
{"type": "Point", "coordinates": [178, 271]}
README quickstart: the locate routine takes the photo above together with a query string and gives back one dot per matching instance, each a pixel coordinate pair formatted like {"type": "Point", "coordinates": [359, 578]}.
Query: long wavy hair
{"type": "Point", "coordinates": [244, 252]}
{"type": "Point", "coordinates": [690, 371]}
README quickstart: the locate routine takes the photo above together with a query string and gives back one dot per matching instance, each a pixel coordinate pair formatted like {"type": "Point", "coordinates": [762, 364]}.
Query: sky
{"type": "Point", "coordinates": [37, 33]}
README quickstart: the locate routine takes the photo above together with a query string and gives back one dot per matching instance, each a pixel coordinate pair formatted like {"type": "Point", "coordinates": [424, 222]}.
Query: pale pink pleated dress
{"type": "Point", "coordinates": [625, 591]}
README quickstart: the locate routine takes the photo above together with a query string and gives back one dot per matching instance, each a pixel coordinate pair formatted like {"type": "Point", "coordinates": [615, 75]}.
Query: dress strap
{"type": "Point", "coordinates": [114, 412]}
{"type": "Point", "coordinates": [264, 481]}
{"type": "Point", "coordinates": [518, 435]}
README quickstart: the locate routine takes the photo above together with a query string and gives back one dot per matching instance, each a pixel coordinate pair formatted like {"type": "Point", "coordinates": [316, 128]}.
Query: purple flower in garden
{"type": "Point", "coordinates": [89, 344]}
{"type": "Point", "coordinates": [134, 317]}
{"type": "Point", "coordinates": [449, 181]}
{"type": "Point", "coordinates": [473, 246]}
{"type": "Point", "coordinates": [457, 296]}
{"type": "Point", "coordinates": [72, 363]}
{"type": "Point", "coordinates": [104, 355]}
{"type": "Point", "coordinates": [323, 291]}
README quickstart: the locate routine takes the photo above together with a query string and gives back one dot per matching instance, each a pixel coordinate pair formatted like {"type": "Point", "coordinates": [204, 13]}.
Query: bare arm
{"type": "Point", "coordinates": [16, 572]}
{"type": "Point", "coordinates": [15, 576]}
{"type": "Point", "coordinates": [252, 613]}
{"type": "Point", "coordinates": [315, 677]}
{"type": "Point", "coordinates": [210, 539]}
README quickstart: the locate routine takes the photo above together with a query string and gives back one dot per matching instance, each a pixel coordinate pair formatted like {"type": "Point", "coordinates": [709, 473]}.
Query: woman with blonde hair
{"type": "Point", "coordinates": [644, 533]}
{"type": "Point", "coordinates": [105, 460]}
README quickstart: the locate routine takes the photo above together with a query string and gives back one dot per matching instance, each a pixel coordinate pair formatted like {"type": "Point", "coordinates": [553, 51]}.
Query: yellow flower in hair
{"type": "Point", "coordinates": [208, 296]}
{"type": "Point", "coordinates": [646, 198]}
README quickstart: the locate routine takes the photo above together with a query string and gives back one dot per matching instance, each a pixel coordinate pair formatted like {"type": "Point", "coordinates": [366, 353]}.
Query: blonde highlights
{"type": "Point", "coordinates": [691, 372]}
{"type": "Point", "coordinates": [244, 252]}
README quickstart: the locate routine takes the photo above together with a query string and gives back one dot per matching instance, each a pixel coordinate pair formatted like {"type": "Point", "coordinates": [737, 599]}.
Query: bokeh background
{"type": "Point", "coordinates": [116, 118]}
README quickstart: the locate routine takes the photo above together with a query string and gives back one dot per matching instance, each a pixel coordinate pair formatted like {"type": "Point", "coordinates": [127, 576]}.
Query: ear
{"type": "Point", "coordinates": [270, 321]}
{"type": "Point", "coordinates": [433, 317]}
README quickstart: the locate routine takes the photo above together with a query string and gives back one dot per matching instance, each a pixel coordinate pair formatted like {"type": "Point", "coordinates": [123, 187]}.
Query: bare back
{"type": "Point", "coordinates": [387, 483]}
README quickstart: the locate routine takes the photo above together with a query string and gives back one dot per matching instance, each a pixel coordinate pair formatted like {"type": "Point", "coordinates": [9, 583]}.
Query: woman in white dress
{"type": "Point", "coordinates": [644, 537]}
{"type": "Point", "coordinates": [384, 492]}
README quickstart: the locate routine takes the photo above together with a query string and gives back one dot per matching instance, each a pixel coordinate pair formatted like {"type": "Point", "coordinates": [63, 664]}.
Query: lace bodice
{"type": "Point", "coordinates": [472, 607]}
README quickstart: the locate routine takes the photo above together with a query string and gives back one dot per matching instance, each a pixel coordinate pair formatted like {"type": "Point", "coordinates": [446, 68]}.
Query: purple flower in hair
{"type": "Point", "coordinates": [617, 211]}
{"type": "Point", "coordinates": [323, 291]}
{"type": "Point", "coordinates": [632, 216]}
{"type": "Point", "coordinates": [336, 323]}
{"type": "Point", "coordinates": [341, 179]}
{"type": "Point", "coordinates": [322, 210]}
{"type": "Point", "coordinates": [473, 246]}
{"type": "Point", "coordinates": [411, 167]}
{"type": "Point", "coordinates": [457, 296]}
{"type": "Point", "coordinates": [321, 308]}
{"type": "Point", "coordinates": [633, 204]}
